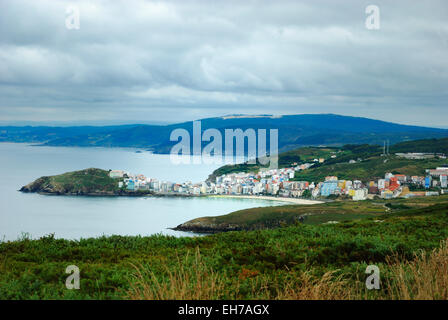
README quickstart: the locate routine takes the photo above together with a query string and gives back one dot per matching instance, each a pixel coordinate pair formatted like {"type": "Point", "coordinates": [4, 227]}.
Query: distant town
{"type": "Point", "coordinates": [281, 183]}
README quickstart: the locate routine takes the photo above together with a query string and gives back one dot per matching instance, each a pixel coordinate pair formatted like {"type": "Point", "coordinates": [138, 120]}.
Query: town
{"type": "Point", "coordinates": [281, 183]}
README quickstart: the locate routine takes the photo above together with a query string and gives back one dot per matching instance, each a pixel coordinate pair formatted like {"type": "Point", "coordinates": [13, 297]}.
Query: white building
{"type": "Point", "coordinates": [357, 184]}
{"type": "Point", "coordinates": [116, 173]}
{"type": "Point", "coordinates": [444, 181]}
{"type": "Point", "coordinates": [382, 184]}
{"type": "Point", "coordinates": [360, 194]}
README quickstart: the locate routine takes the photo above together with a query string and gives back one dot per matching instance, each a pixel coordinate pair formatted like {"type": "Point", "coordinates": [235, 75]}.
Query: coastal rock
{"type": "Point", "coordinates": [38, 185]}
{"type": "Point", "coordinates": [206, 225]}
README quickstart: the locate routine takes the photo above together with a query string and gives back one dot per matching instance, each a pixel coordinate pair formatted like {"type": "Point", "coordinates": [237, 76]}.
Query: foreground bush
{"type": "Point", "coordinates": [295, 262]}
{"type": "Point", "coordinates": [424, 277]}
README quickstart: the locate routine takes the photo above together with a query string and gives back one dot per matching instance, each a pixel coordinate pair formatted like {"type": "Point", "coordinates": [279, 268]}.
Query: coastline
{"type": "Point", "coordinates": [208, 225]}
{"type": "Point", "coordinates": [295, 201]}
{"type": "Point", "coordinates": [114, 194]}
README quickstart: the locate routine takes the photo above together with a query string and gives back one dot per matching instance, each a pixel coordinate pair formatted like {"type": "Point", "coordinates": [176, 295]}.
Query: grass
{"type": "Point", "coordinates": [285, 159]}
{"type": "Point", "coordinates": [88, 180]}
{"type": "Point", "coordinates": [340, 211]}
{"type": "Point", "coordinates": [291, 262]}
{"type": "Point", "coordinates": [425, 277]}
{"type": "Point", "coordinates": [192, 280]}
{"type": "Point", "coordinates": [271, 217]}
{"type": "Point", "coordinates": [79, 182]}
{"type": "Point", "coordinates": [197, 281]}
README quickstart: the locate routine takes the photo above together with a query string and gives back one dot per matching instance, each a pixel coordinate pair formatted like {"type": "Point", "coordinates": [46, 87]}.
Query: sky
{"type": "Point", "coordinates": [170, 61]}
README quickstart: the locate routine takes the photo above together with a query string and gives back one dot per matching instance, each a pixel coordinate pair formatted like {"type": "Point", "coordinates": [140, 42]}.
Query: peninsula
{"type": "Point", "coordinates": [88, 182]}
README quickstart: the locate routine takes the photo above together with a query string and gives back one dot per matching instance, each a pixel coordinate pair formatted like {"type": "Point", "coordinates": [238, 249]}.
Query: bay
{"type": "Point", "coordinates": [72, 217]}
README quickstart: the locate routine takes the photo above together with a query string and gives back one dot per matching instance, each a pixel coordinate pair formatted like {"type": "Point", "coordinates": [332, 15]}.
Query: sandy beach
{"type": "Point", "coordinates": [289, 200]}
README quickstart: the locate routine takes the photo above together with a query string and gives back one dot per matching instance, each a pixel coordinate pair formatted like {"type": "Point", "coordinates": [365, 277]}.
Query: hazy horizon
{"type": "Point", "coordinates": [100, 123]}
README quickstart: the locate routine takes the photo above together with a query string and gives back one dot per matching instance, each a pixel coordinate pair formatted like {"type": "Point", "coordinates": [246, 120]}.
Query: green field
{"type": "Point", "coordinates": [266, 264]}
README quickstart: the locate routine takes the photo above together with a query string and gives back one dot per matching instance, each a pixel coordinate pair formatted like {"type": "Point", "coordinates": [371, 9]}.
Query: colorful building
{"type": "Point", "coordinates": [328, 188]}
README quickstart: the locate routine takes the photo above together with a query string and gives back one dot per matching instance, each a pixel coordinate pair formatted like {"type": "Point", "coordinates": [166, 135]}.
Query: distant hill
{"type": "Point", "coordinates": [294, 131]}
{"type": "Point", "coordinates": [43, 134]}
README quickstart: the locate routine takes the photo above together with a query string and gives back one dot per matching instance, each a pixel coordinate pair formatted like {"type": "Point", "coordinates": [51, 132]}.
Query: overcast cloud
{"type": "Point", "coordinates": [182, 60]}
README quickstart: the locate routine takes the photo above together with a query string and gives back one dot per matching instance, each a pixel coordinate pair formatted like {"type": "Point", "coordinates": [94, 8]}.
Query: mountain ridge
{"type": "Point", "coordinates": [294, 131]}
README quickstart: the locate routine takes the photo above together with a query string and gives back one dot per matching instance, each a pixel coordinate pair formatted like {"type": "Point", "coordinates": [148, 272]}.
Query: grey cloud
{"type": "Point", "coordinates": [182, 60]}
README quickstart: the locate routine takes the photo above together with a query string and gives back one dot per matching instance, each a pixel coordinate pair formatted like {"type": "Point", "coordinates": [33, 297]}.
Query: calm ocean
{"type": "Point", "coordinates": [82, 217]}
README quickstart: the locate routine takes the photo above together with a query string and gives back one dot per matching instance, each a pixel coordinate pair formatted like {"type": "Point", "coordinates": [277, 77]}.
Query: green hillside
{"type": "Point", "coordinates": [369, 169]}
{"type": "Point", "coordinates": [285, 159]}
{"type": "Point", "coordinates": [369, 162]}
{"type": "Point", "coordinates": [88, 181]}
{"type": "Point", "coordinates": [373, 166]}
{"type": "Point", "coordinates": [425, 146]}
{"type": "Point", "coordinates": [277, 216]}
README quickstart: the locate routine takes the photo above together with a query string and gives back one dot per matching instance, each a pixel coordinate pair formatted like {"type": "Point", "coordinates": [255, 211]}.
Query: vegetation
{"type": "Point", "coordinates": [88, 181]}
{"type": "Point", "coordinates": [330, 212]}
{"type": "Point", "coordinates": [425, 146]}
{"type": "Point", "coordinates": [285, 159]}
{"type": "Point", "coordinates": [273, 217]}
{"type": "Point", "coordinates": [369, 162]}
{"type": "Point", "coordinates": [369, 169]}
{"type": "Point", "coordinates": [299, 261]}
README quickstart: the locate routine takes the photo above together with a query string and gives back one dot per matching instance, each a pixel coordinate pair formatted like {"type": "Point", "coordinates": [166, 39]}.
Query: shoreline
{"type": "Point", "coordinates": [208, 225]}
{"type": "Point", "coordinates": [296, 201]}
